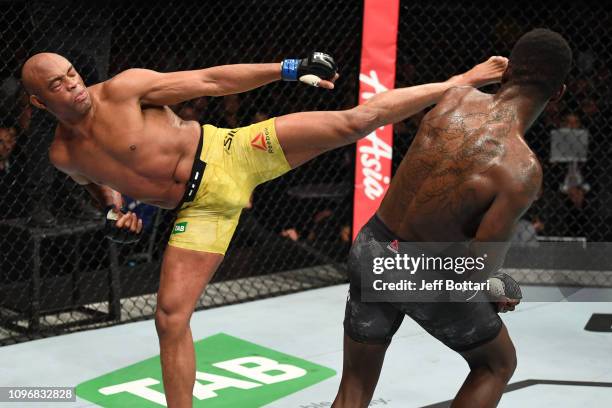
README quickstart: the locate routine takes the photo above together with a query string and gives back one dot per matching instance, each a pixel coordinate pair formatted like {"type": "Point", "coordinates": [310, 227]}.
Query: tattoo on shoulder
{"type": "Point", "coordinates": [455, 147]}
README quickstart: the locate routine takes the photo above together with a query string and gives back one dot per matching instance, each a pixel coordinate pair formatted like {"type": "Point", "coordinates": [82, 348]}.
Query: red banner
{"type": "Point", "coordinates": [378, 55]}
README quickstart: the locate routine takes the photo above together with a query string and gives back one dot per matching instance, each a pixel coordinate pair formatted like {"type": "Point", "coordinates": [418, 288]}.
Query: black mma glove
{"type": "Point", "coordinates": [504, 292]}
{"type": "Point", "coordinates": [504, 286]}
{"type": "Point", "coordinates": [115, 234]}
{"type": "Point", "coordinates": [309, 70]}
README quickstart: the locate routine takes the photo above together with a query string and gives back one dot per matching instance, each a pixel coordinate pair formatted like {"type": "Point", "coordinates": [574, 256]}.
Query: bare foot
{"type": "Point", "coordinates": [488, 72]}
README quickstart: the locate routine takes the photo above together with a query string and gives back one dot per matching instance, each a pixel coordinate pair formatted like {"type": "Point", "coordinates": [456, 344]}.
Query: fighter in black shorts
{"type": "Point", "coordinates": [467, 178]}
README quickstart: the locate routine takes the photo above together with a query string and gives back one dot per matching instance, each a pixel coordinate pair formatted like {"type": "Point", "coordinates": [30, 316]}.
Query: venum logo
{"type": "Point", "coordinates": [372, 155]}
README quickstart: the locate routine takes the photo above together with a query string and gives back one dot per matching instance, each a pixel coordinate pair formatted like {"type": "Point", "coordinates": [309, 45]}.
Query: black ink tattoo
{"type": "Point", "coordinates": [454, 148]}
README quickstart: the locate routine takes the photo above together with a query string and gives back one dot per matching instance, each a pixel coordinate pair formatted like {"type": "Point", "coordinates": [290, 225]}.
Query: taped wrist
{"type": "Point", "coordinates": [289, 69]}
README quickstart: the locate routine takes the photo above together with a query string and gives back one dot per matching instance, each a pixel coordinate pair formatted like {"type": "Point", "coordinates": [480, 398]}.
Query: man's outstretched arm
{"type": "Point", "coordinates": [157, 88]}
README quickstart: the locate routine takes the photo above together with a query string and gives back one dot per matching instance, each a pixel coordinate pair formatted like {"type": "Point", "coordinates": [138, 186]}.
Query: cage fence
{"type": "Point", "coordinates": [58, 274]}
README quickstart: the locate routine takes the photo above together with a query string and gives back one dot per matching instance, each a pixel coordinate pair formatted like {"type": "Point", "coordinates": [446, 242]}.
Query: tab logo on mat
{"type": "Point", "coordinates": [230, 372]}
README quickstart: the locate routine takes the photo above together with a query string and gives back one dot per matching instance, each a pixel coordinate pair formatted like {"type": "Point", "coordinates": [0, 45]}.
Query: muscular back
{"type": "Point", "coordinates": [144, 151]}
{"type": "Point", "coordinates": [466, 152]}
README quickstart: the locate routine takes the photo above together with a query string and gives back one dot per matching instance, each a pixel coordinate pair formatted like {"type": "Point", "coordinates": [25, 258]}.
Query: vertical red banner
{"type": "Point", "coordinates": [377, 74]}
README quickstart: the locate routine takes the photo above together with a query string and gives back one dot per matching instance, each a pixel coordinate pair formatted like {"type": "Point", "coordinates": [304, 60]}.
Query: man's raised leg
{"type": "Point", "coordinates": [306, 135]}
{"type": "Point", "coordinates": [184, 276]}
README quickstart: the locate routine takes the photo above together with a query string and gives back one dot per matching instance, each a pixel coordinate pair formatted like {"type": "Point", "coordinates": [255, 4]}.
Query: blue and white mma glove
{"type": "Point", "coordinates": [309, 70]}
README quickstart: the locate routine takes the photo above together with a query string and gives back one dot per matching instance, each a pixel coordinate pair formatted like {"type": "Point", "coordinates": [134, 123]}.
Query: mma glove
{"type": "Point", "coordinates": [310, 70]}
{"type": "Point", "coordinates": [503, 286]}
{"type": "Point", "coordinates": [115, 234]}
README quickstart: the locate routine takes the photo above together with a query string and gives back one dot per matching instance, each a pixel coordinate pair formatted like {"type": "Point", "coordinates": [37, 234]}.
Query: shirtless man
{"type": "Point", "coordinates": [467, 178]}
{"type": "Point", "coordinates": [119, 137]}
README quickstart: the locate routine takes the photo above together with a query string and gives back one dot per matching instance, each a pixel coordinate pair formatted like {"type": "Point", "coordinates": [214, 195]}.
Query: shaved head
{"type": "Point", "coordinates": [54, 85]}
{"type": "Point", "coordinates": [35, 68]}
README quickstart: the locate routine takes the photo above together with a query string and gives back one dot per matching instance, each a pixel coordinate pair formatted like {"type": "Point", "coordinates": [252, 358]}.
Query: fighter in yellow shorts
{"type": "Point", "coordinates": [119, 136]}
{"type": "Point", "coordinates": [229, 164]}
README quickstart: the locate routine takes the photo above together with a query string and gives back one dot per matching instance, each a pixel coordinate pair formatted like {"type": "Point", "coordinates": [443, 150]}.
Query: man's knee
{"type": "Point", "coordinates": [506, 366]}
{"type": "Point", "coordinates": [501, 365]}
{"type": "Point", "coordinates": [171, 323]}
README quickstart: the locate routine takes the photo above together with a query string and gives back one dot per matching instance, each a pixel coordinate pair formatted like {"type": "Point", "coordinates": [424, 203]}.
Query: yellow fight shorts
{"type": "Point", "coordinates": [231, 163]}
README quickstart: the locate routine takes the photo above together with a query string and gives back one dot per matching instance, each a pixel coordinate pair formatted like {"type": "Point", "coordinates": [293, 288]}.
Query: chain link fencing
{"type": "Point", "coordinates": [58, 274]}
{"type": "Point", "coordinates": [571, 138]}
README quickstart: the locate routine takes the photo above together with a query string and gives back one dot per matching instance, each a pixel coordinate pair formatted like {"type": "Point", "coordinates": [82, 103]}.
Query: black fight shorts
{"type": "Point", "coordinates": [461, 326]}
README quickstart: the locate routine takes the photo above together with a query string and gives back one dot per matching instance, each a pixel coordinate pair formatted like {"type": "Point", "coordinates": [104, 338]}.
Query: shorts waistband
{"type": "Point", "coordinates": [197, 173]}
{"type": "Point", "coordinates": [381, 231]}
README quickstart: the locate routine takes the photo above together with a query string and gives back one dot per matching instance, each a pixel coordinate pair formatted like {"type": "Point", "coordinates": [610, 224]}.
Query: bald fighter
{"type": "Point", "coordinates": [467, 178]}
{"type": "Point", "coordinates": [119, 137]}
